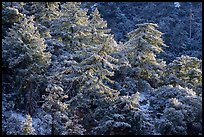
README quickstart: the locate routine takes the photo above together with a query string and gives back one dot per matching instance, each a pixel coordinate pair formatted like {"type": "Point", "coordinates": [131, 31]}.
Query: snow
{"type": "Point", "coordinates": [144, 102]}
{"type": "Point", "coordinates": [142, 97]}
{"type": "Point", "coordinates": [119, 116]}
{"type": "Point", "coordinates": [94, 6]}
{"type": "Point", "coordinates": [37, 124]}
{"type": "Point", "coordinates": [17, 116]}
{"type": "Point", "coordinates": [144, 107]}
{"type": "Point", "coordinates": [121, 124]}
{"type": "Point", "coordinates": [177, 4]}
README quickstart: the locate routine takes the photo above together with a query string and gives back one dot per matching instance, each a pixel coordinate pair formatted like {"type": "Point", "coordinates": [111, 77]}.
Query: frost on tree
{"type": "Point", "coordinates": [10, 15]}
{"type": "Point", "coordinates": [44, 12]}
{"type": "Point", "coordinates": [69, 28]}
{"type": "Point", "coordinates": [141, 49]}
{"type": "Point", "coordinates": [98, 28]}
{"type": "Point", "coordinates": [185, 71]}
{"type": "Point", "coordinates": [179, 110]}
{"type": "Point", "coordinates": [93, 61]}
{"type": "Point", "coordinates": [64, 121]}
{"type": "Point", "coordinates": [177, 4]}
{"type": "Point", "coordinates": [98, 37]}
{"type": "Point", "coordinates": [121, 117]}
{"type": "Point", "coordinates": [23, 52]}
{"type": "Point", "coordinates": [96, 68]}
{"type": "Point", "coordinates": [91, 77]}
{"type": "Point", "coordinates": [92, 74]}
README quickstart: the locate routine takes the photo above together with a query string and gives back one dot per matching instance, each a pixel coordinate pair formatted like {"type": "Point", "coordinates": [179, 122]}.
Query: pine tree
{"type": "Point", "coordinates": [186, 72]}
{"type": "Point", "coordinates": [23, 50]}
{"type": "Point", "coordinates": [69, 28]}
{"type": "Point", "coordinates": [64, 121]}
{"type": "Point", "coordinates": [24, 53]}
{"type": "Point", "coordinates": [44, 12]}
{"type": "Point", "coordinates": [180, 108]}
{"type": "Point", "coordinates": [99, 37]}
{"type": "Point", "coordinates": [90, 75]}
{"type": "Point", "coordinates": [68, 36]}
{"type": "Point", "coordinates": [121, 116]}
{"type": "Point", "coordinates": [10, 15]}
{"type": "Point", "coordinates": [141, 49]}
{"type": "Point", "coordinates": [96, 65]}
{"type": "Point", "coordinates": [98, 27]}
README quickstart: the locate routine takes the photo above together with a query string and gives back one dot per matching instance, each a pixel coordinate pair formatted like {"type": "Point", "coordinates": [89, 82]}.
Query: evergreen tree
{"type": "Point", "coordinates": [91, 74]}
{"type": "Point", "coordinates": [10, 15]}
{"type": "Point", "coordinates": [99, 29]}
{"type": "Point", "coordinates": [141, 49]}
{"type": "Point", "coordinates": [23, 52]}
{"type": "Point", "coordinates": [122, 116]}
{"type": "Point", "coordinates": [93, 51]}
{"type": "Point", "coordinates": [186, 72]}
{"type": "Point", "coordinates": [69, 28]}
{"type": "Point", "coordinates": [99, 37]}
{"type": "Point", "coordinates": [44, 12]}
{"type": "Point", "coordinates": [96, 65]}
{"type": "Point", "coordinates": [180, 110]}
{"type": "Point", "coordinates": [64, 121]}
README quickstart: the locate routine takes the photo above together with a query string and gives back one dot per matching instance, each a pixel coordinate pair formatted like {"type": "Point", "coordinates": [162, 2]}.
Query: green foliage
{"type": "Point", "coordinates": [98, 28]}
{"type": "Point", "coordinates": [44, 13]}
{"type": "Point", "coordinates": [121, 117]}
{"type": "Point", "coordinates": [64, 120]}
{"type": "Point", "coordinates": [24, 51]}
{"type": "Point", "coordinates": [53, 102]}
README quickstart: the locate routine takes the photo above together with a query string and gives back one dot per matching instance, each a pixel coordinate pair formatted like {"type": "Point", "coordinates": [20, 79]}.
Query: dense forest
{"type": "Point", "coordinates": [101, 68]}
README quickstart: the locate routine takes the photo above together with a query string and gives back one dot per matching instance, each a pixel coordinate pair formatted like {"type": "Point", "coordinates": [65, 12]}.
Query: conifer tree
{"type": "Point", "coordinates": [186, 72]}
{"type": "Point", "coordinates": [64, 121]}
{"type": "Point", "coordinates": [24, 53]}
{"type": "Point", "coordinates": [69, 28]}
{"type": "Point", "coordinates": [141, 49]}
{"type": "Point", "coordinates": [98, 28]}
{"type": "Point", "coordinates": [96, 65]}
{"type": "Point", "coordinates": [119, 117]}
{"type": "Point", "coordinates": [10, 15]}
{"type": "Point", "coordinates": [99, 37]}
{"type": "Point", "coordinates": [23, 50]}
{"type": "Point", "coordinates": [91, 74]}
{"type": "Point", "coordinates": [44, 12]}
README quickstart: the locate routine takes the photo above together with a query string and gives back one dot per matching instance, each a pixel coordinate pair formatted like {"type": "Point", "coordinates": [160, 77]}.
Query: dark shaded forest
{"type": "Point", "coordinates": [101, 68]}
